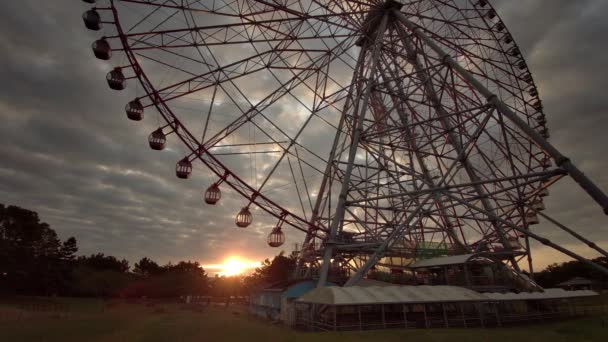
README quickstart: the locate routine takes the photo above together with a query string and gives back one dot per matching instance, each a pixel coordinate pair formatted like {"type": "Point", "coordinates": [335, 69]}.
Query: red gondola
{"type": "Point", "coordinates": [135, 110]}
{"type": "Point", "coordinates": [213, 194]}
{"type": "Point", "coordinates": [157, 140]}
{"type": "Point", "coordinates": [101, 49]}
{"type": "Point", "coordinates": [92, 20]}
{"type": "Point", "coordinates": [116, 79]}
{"type": "Point", "coordinates": [183, 169]}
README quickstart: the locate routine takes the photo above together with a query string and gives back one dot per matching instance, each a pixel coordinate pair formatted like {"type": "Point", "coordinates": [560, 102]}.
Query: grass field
{"type": "Point", "coordinates": [94, 320]}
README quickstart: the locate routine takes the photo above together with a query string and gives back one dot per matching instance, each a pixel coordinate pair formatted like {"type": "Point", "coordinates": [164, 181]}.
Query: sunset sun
{"type": "Point", "coordinates": [232, 266]}
{"type": "Point", "coordinates": [235, 266]}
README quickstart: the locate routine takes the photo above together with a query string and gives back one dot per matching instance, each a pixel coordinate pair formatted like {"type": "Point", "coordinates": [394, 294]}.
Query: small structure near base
{"type": "Point", "coordinates": [579, 283]}
{"type": "Point", "coordinates": [483, 272]}
{"type": "Point", "coordinates": [366, 308]}
{"type": "Point", "coordinates": [276, 302]}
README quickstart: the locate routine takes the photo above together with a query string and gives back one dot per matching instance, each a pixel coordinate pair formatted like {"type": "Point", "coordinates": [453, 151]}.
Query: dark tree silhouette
{"type": "Point", "coordinates": [171, 280]}
{"type": "Point", "coordinates": [279, 269]}
{"type": "Point", "coordinates": [101, 262]}
{"type": "Point", "coordinates": [146, 268]}
{"type": "Point", "coordinates": [34, 261]}
{"type": "Point", "coordinates": [30, 253]}
{"type": "Point", "coordinates": [68, 249]}
{"type": "Point", "coordinates": [557, 273]}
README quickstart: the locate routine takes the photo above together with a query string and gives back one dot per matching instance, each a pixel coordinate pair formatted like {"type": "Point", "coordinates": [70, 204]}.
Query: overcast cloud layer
{"type": "Point", "coordinates": [68, 152]}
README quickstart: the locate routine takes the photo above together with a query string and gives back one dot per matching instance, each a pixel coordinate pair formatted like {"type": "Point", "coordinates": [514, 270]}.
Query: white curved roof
{"type": "Point", "coordinates": [547, 294]}
{"type": "Point", "coordinates": [356, 295]}
{"type": "Point", "coordinates": [443, 261]}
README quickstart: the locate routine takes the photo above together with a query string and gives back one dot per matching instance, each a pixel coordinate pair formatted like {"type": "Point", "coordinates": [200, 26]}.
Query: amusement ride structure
{"type": "Point", "coordinates": [386, 131]}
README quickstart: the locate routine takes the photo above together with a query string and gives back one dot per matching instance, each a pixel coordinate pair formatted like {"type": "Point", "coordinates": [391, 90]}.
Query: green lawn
{"type": "Point", "coordinates": [91, 320]}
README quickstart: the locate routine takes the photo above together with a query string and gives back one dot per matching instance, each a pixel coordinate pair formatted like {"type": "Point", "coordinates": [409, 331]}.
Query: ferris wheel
{"type": "Point", "coordinates": [385, 131]}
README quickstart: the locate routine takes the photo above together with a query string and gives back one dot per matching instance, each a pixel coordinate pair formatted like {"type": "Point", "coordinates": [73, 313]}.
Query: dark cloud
{"type": "Point", "coordinates": [68, 151]}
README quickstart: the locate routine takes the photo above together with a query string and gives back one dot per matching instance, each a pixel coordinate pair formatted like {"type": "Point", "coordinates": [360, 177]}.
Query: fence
{"type": "Point", "coordinates": [438, 315]}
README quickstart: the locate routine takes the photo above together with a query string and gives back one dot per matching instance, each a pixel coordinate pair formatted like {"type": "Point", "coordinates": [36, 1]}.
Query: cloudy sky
{"type": "Point", "coordinates": [68, 153]}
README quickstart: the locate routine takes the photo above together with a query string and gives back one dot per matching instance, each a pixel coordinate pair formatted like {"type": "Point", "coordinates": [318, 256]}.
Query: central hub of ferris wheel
{"type": "Point", "coordinates": [369, 26]}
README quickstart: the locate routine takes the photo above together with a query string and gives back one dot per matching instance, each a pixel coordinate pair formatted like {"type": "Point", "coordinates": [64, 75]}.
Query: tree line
{"type": "Point", "coordinates": [34, 261]}
{"type": "Point", "coordinates": [558, 273]}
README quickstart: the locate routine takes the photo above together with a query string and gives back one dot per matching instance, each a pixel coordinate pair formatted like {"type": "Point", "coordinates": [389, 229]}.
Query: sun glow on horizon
{"type": "Point", "coordinates": [232, 266]}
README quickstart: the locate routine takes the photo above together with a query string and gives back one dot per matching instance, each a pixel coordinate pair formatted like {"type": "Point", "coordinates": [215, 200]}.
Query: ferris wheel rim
{"type": "Point", "coordinates": [515, 216]}
{"type": "Point", "coordinates": [219, 169]}
{"type": "Point", "coordinates": [288, 217]}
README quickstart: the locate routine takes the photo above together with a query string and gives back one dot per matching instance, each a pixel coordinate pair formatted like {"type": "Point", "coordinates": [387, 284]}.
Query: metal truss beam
{"type": "Point", "coordinates": [562, 161]}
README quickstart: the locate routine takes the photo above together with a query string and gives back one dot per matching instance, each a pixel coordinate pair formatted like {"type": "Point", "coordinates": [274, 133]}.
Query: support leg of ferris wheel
{"type": "Point", "coordinates": [536, 237]}
{"type": "Point", "coordinates": [357, 129]}
{"type": "Point", "coordinates": [401, 229]}
{"type": "Point", "coordinates": [328, 170]}
{"type": "Point", "coordinates": [425, 171]}
{"type": "Point", "coordinates": [395, 235]}
{"type": "Point", "coordinates": [581, 238]}
{"type": "Point", "coordinates": [593, 190]}
{"type": "Point", "coordinates": [562, 161]}
{"type": "Point", "coordinates": [431, 93]}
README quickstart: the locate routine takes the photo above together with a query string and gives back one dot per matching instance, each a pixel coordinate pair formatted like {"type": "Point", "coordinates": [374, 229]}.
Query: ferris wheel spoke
{"type": "Point", "coordinates": [224, 74]}
{"type": "Point", "coordinates": [214, 40]}
{"type": "Point", "coordinates": [286, 151]}
{"type": "Point", "coordinates": [232, 83]}
{"type": "Point", "coordinates": [247, 32]}
{"type": "Point", "coordinates": [458, 188]}
{"type": "Point", "coordinates": [295, 182]}
{"type": "Point", "coordinates": [342, 16]}
{"type": "Point", "coordinates": [355, 10]}
{"type": "Point", "coordinates": [474, 59]}
{"type": "Point", "coordinates": [242, 188]}
{"type": "Point", "coordinates": [325, 76]}
{"type": "Point", "coordinates": [295, 75]}
{"type": "Point", "coordinates": [257, 109]}
{"type": "Point", "coordinates": [216, 7]}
